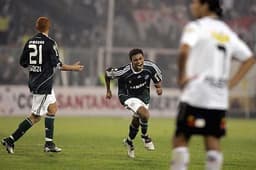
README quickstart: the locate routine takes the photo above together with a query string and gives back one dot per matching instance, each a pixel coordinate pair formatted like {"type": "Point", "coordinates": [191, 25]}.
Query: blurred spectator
{"type": "Point", "coordinates": [81, 24]}
{"type": "Point", "coordinates": [4, 28]}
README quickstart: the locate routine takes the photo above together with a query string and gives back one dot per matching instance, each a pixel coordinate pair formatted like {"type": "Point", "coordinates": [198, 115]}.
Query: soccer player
{"type": "Point", "coordinates": [206, 49]}
{"type": "Point", "coordinates": [134, 94]}
{"type": "Point", "coordinates": [41, 57]}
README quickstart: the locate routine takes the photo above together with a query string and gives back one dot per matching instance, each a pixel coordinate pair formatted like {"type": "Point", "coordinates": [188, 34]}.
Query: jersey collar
{"type": "Point", "coordinates": [44, 34]}
{"type": "Point", "coordinates": [134, 70]}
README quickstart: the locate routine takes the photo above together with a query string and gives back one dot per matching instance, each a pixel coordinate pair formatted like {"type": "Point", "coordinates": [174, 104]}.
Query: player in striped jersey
{"type": "Point", "coordinates": [134, 93]}
{"type": "Point", "coordinates": [207, 47]}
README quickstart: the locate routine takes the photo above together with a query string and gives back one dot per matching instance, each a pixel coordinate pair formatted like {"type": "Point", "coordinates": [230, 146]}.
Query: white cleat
{"type": "Point", "coordinates": [51, 147]}
{"type": "Point", "coordinates": [130, 148]}
{"type": "Point", "coordinates": [148, 144]}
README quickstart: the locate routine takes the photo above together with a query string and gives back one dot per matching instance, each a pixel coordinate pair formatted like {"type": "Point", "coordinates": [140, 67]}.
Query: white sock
{"type": "Point", "coordinates": [180, 158]}
{"type": "Point", "coordinates": [48, 140]}
{"type": "Point", "coordinates": [214, 160]}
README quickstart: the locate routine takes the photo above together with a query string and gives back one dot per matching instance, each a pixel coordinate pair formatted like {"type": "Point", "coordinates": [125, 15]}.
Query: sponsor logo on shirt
{"type": "Point", "coordinates": [220, 37]}
{"type": "Point", "coordinates": [138, 86]}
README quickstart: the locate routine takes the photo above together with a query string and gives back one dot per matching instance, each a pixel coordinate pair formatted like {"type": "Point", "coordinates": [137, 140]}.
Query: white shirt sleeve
{"type": "Point", "coordinates": [241, 50]}
{"type": "Point", "coordinates": [190, 34]}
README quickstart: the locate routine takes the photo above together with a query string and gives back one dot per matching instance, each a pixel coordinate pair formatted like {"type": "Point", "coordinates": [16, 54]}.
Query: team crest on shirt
{"type": "Point", "coordinates": [139, 76]}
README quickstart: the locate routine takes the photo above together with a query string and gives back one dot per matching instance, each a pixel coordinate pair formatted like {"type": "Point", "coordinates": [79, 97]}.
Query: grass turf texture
{"type": "Point", "coordinates": [96, 143]}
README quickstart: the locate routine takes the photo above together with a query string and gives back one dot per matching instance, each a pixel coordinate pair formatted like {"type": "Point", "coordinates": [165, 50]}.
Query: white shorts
{"type": "Point", "coordinates": [134, 104]}
{"type": "Point", "coordinates": [40, 103]}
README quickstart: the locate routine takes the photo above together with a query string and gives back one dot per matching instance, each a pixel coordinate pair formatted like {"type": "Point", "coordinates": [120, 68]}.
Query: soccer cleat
{"type": "Point", "coordinates": [148, 144]}
{"type": "Point", "coordinates": [130, 148]}
{"type": "Point", "coordinates": [51, 147]}
{"type": "Point", "coordinates": [9, 145]}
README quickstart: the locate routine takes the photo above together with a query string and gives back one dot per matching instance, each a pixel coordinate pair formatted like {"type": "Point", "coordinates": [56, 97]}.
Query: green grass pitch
{"type": "Point", "coordinates": [95, 143]}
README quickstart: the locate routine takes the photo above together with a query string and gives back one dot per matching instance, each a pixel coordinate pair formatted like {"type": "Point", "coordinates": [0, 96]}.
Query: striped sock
{"type": "Point", "coordinates": [132, 132]}
{"type": "Point", "coordinates": [49, 127]}
{"type": "Point", "coordinates": [21, 130]}
{"type": "Point", "coordinates": [144, 127]}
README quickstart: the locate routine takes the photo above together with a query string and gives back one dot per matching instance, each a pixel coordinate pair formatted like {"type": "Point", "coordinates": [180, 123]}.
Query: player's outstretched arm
{"type": "Point", "coordinates": [159, 90]}
{"type": "Point", "coordinates": [107, 82]}
{"type": "Point", "coordinates": [241, 72]}
{"type": "Point", "coordinates": [74, 67]}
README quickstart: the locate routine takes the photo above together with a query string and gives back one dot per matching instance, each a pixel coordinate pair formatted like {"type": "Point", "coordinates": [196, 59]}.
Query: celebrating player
{"type": "Point", "coordinates": [41, 57]}
{"type": "Point", "coordinates": [207, 47]}
{"type": "Point", "coordinates": [133, 92]}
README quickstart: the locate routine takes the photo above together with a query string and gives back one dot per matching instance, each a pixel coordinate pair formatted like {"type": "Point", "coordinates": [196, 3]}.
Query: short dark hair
{"type": "Point", "coordinates": [134, 52]}
{"type": "Point", "coordinates": [214, 6]}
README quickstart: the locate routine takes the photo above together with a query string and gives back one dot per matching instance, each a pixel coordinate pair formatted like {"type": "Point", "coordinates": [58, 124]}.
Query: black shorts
{"type": "Point", "coordinates": [194, 120]}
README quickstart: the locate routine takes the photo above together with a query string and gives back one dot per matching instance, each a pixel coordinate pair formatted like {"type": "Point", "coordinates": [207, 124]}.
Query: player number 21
{"type": "Point", "coordinates": [35, 56]}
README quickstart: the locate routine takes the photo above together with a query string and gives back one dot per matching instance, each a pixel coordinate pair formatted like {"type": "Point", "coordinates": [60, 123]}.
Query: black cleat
{"type": "Point", "coordinates": [51, 147]}
{"type": "Point", "coordinates": [9, 145]}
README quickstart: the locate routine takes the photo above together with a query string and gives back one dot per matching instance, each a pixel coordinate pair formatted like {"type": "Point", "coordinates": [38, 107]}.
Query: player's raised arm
{"type": "Point", "coordinates": [74, 67]}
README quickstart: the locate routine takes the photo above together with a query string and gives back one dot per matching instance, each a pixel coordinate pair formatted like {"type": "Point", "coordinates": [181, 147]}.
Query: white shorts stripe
{"type": "Point", "coordinates": [40, 103]}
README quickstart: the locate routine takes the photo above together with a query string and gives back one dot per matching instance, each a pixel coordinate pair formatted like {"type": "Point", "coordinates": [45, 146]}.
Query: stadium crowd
{"type": "Point", "coordinates": [82, 24]}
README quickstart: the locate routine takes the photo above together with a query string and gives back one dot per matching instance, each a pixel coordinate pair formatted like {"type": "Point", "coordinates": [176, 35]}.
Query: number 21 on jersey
{"type": "Point", "coordinates": [35, 56]}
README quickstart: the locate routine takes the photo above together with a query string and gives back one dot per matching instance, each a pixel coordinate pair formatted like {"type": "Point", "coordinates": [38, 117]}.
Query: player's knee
{"type": "Point", "coordinates": [180, 140]}
{"type": "Point", "coordinates": [212, 143]}
{"type": "Point", "coordinates": [135, 122]}
{"type": "Point", "coordinates": [52, 109]}
{"type": "Point", "coordinates": [143, 113]}
{"type": "Point", "coordinates": [34, 118]}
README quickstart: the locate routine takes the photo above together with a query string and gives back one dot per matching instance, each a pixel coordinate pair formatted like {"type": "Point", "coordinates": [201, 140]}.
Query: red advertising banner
{"type": "Point", "coordinates": [87, 101]}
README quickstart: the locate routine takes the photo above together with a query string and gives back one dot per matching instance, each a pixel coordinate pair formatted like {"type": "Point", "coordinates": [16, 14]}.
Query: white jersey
{"type": "Point", "coordinates": [212, 46]}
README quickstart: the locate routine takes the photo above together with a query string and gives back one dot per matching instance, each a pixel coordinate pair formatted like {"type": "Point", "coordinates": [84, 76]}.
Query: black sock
{"type": "Point", "coordinates": [132, 132]}
{"type": "Point", "coordinates": [49, 127]}
{"type": "Point", "coordinates": [21, 130]}
{"type": "Point", "coordinates": [144, 127]}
